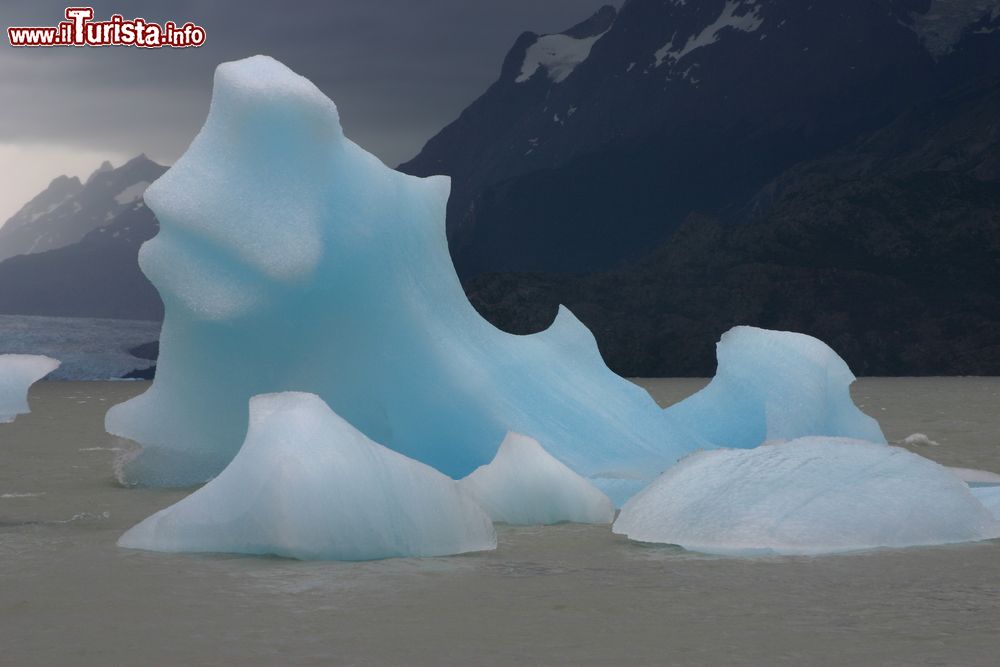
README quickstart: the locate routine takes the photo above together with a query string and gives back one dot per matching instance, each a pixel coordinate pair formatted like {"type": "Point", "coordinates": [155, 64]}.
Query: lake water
{"type": "Point", "coordinates": [560, 595]}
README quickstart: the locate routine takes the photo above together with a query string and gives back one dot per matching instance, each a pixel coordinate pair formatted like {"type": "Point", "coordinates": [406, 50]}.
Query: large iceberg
{"type": "Point", "coordinates": [807, 496]}
{"type": "Point", "coordinates": [308, 485]}
{"type": "Point", "coordinates": [524, 485]}
{"type": "Point", "coordinates": [288, 258]}
{"type": "Point", "coordinates": [17, 373]}
{"type": "Point", "coordinates": [775, 385]}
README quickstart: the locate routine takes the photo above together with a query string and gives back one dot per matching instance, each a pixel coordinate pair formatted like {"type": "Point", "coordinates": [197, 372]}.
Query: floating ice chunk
{"type": "Point", "coordinates": [288, 258]}
{"type": "Point", "coordinates": [807, 496]}
{"type": "Point", "coordinates": [989, 496]}
{"type": "Point", "coordinates": [17, 373]}
{"type": "Point", "coordinates": [918, 440]}
{"type": "Point", "coordinates": [308, 485]}
{"type": "Point", "coordinates": [974, 476]}
{"type": "Point", "coordinates": [524, 485]}
{"type": "Point", "coordinates": [775, 385]}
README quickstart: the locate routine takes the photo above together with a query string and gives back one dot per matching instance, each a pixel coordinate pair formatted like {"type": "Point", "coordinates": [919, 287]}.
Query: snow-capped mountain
{"type": "Point", "coordinates": [75, 248]}
{"type": "Point", "coordinates": [68, 210]}
{"type": "Point", "coordinates": [594, 144]}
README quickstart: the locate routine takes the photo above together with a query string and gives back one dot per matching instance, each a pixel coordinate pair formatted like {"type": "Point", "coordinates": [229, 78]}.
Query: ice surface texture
{"type": "Point", "coordinates": [775, 385]}
{"type": "Point", "coordinates": [288, 258]}
{"type": "Point", "coordinates": [524, 485]}
{"type": "Point", "coordinates": [17, 373]}
{"type": "Point", "coordinates": [308, 485]}
{"type": "Point", "coordinates": [990, 497]}
{"type": "Point", "coordinates": [807, 496]}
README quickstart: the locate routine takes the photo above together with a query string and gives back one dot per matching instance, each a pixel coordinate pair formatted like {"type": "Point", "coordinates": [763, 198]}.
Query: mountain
{"type": "Point", "coordinates": [888, 249]}
{"type": "Point", "coordinates": [595, 144]}
{"type": "Point", "coordinates": [67, 210]}
{"type": "Point", "coordinates": [97, 274]}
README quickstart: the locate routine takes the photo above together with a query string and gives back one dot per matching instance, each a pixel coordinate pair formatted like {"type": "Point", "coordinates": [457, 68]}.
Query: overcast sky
{"type": "Point", "coordinates": [399, 70]}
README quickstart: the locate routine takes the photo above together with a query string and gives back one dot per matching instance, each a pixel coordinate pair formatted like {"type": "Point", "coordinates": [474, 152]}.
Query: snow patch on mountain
{"type": "Point", "coordinates": [558, 54]}
{"type": "Point", "coordinates": [132, 192]}
{"type": "Point", "coordinates": [946, 21]}
{"type": "Point", "coordinates": [736, 15]}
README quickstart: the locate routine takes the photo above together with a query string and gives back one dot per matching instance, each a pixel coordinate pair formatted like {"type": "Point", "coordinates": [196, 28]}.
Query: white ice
{"type": "Point", "coordinates": [807, 496]}
{"type": "Point", "coordinates": [976, 476]}
{"type": "Point", "coordinates": [289, 259]}
{"type": "Point", "coordinates": [775, 385]}
{"type": "Point", "coordinates": [524, 485]}
{"type": "Point", "coordinates": [919, 440]}
{"type": "Point", "coordinates": [737, 15]}
{"type": "Point", "coordinates": [557, 54]}
{"type": "Point", "coordinates": [17, 373]}
{"type": "Point", "coordinates": [308, 485]}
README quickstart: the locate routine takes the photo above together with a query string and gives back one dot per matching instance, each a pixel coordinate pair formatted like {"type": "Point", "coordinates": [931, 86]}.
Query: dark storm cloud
{"type": "Point", "coordinates": [398, 69]}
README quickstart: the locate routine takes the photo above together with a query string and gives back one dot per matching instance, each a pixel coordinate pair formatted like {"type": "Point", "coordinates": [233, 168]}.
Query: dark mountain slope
{"type": "Point", "coordinates": [677, 108]}
{"type": "Point", "coordinates": [888, 249]}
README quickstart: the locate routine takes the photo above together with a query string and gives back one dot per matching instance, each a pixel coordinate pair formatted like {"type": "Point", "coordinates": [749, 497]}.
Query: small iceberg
{"type": "Point", "coordinates": [919, 440]}
{"type": "Point", "coordinates": [525, 485]}
{"type": "Point", "coordinates": [812, 495]}
{"type": "Point", "coordinates": [308, 485]}
{"type": "Point", "coordinates": [17, 373]}
{"type": "Point", "coordinates": [775, 385]}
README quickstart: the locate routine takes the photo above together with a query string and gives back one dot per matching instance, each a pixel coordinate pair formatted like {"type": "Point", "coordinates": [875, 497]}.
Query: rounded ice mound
{"type": "Point", "coordinates": [308, 485]}
{"type": "Point", "coordinates": [775, 385]}
{"type": "Point", "coordinates": [17, 373]}
{"type": "Point", "coordinates": [525, 485]}
{"type": "Point", "coordinates": [808, 496]}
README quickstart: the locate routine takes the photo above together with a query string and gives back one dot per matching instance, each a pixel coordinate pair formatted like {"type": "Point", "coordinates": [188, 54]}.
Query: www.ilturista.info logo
{"type": "Point", "coordinates": [80, 30]}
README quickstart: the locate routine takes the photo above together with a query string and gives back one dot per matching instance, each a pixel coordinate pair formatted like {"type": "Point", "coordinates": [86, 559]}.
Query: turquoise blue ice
{"type": "Point", "coordinates": [289, 259]}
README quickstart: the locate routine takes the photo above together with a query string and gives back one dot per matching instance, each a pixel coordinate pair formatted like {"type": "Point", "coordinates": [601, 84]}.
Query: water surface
{"type": "Point", "coordinates": [561, 595]}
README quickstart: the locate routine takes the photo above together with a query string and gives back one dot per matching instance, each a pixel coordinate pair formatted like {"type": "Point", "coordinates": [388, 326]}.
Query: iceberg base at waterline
{"type": "Point", "coordinates": [308, 485]}
{"type": "Point", "coordinates": [524, 485]}
{"type": "Point", "coordinates": [806, 496]}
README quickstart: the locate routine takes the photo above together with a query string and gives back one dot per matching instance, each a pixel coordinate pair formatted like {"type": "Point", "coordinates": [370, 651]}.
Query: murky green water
{"type": "Point", "coordinates": [562, 595]}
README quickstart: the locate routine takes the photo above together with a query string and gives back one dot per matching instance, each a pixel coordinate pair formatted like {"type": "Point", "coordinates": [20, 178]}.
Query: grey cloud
{"type": "Point", "coordinates": [399, 70]}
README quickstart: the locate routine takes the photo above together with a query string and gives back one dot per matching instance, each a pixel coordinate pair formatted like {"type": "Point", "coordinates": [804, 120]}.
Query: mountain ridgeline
{"type": "Point", "coordinates": [675, 168]}
{"type": "Point", "coordinates": [671, 169]}
{"type": "Point", "coordinates": [72, 250]}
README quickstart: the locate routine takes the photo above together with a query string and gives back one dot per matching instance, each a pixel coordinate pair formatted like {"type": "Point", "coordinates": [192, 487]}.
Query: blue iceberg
{"type": "Point", "coordinates": [807, 496]}
{"type": "Point", "coordinates": [775, 385]}
{"type": "Point", "coordinates": [308, 485]}
{"type": "Point", "coordinates": [289, 259]}
{"type": "Point", "coordinates": [17, 373]}
{"type": "Point", "coordinates": [523, 485]}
